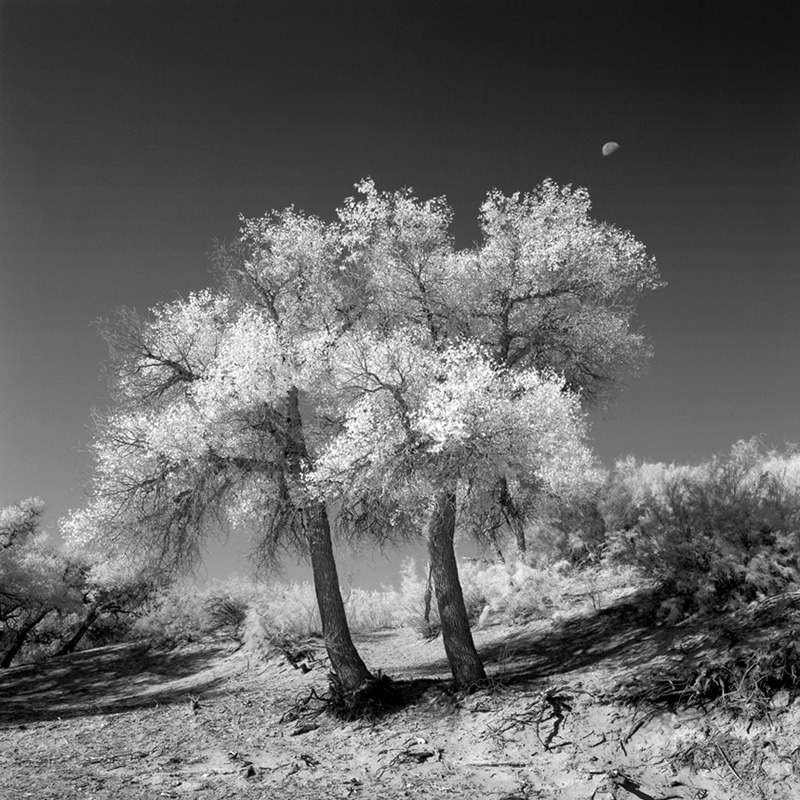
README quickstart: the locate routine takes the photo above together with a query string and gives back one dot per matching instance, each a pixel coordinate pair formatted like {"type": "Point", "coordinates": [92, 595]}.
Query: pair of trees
{"type": "Point", "coordinates": [368, 370]}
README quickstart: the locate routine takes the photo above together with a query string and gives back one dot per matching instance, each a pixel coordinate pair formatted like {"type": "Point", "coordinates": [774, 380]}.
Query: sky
{"type": "Point", "coordinates": [133, 134]}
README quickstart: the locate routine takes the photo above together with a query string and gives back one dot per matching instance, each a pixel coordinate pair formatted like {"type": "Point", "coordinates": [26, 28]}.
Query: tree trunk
{"type": "Point", "coordinates": [516, 521]}
{"type": "Point", "coordinates": [518, 527]}
{"type": "Point", "coordinates": [346, 663]}
{"type": "Point", "coordinates": [74, 640]}
{"type": "Point", "coordinates": [20, 636]}
{"type": "Point", "coordinates": [345, 660]}
{"type": "Point", "coordinates": [465, 663]}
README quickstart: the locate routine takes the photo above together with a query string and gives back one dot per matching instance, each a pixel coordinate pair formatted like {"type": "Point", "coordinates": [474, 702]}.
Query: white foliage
{"type": "Point", "coordinates": [249, 367]}
{"type": "Point", "coordinates": [417, 364]}
{"type": "Point", "coordinates": [453, 416]}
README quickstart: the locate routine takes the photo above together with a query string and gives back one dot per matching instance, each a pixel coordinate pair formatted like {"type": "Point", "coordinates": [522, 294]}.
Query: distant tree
{"type": "Point", "coordinates": [548, 292]}
{"type": "Point", "coordinates": [35, 579]}
{"type": "Point", "coordinates": [208, 426]}
{"type": "Point", "coordinates": [110, 586]}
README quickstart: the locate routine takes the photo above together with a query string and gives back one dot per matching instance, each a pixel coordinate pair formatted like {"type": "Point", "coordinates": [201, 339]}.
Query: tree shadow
{"type": "Point", "coordinates": [622, 638]}
{"type": "Point", "coordinates": [106, 680]}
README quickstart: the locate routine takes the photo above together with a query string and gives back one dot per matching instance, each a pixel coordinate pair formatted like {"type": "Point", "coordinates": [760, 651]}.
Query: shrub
{"type": "Point", "coordinates": [111, 627]}
{"type": "Point", "coordinates": [571, 530]}
{"type": "Point", "coordinates": [713, 537]}
{"type": "Point", "coordinates": [226, 614]}
{"type": "Point", "coordinates": [175, 615]}
{"type": "Point", "coordinates": [290, 608]}
{"type": "Point", "coordinates": [514, 593]}
{"type": "Point", "coordinates": [267, 639]}
{"type": "Point", "coordinates": [417, 607]}
{"type": "Point", "coordinates": [414, 611]}
{"type": "Point", "coordinates": [371, 610]}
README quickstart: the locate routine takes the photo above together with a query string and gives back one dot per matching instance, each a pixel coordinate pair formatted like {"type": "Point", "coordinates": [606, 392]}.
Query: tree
{"type": "Point", "coordinates": [548, 290]}
{"type": "Point", "coordinates": [429, 431]}
{"type": "Point", "coordinates": [35, 579]}
{"type": "Point", "coordinates": [208, 428]}
{"type": "Point", "coordinates": [107, 584]}
{"type": "Point", "coordinates": [555, 290]}
{"type": "Point", "coordinates": [224, 402]}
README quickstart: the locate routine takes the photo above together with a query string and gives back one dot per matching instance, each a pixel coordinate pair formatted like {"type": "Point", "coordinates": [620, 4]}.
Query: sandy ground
{"type": "Point", "coordinates": [129, 721]}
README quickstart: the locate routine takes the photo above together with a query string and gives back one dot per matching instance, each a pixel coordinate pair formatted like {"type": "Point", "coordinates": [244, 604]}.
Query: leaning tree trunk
{"type": "Point", "coordinates": [83, 629]}
{"type": "Point", "coordinates": [465, 663]}
{"type": "Point", "coordinates": [346, 663]}
{"type": "Point", "coordinates": [345, 660]}
{"type": "Point", "coordinates": [20, 636]}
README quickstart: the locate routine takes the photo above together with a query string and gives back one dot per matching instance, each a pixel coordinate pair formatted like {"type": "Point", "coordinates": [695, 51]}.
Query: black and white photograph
{"type": "Point", "coordinates": [399, 399]}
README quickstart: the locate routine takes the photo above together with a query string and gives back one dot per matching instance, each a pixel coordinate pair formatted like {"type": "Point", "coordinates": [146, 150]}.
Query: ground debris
{"type": "Point", "coordinates": [304, 727]}
{"type": "Point", "coordinates": [414, 751]}
{"type": "Point", "coordinates": [555, 736]}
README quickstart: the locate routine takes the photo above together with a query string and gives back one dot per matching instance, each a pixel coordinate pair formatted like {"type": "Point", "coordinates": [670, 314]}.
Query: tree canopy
{"type": "Point", "coordinates": [370, 363]}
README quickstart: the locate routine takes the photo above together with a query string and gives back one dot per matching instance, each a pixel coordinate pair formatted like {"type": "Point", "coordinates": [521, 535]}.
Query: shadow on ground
{"type": "Point", "coordinates": [620, 639]}
{"type": "Point", "coordinates": [105, 680]}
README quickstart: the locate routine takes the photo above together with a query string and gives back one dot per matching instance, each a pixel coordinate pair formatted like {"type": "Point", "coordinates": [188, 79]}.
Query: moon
{"type": "Point", "coordinates": [609, 148]}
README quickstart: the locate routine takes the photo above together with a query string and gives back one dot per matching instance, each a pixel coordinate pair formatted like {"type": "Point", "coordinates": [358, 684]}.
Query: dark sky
{"type": "Point", "coordinates": [133, 133]}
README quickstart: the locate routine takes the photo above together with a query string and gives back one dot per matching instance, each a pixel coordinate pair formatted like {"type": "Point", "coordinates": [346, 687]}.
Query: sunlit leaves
{"type": "Point", "coordinates": [417, 364]}
{"type": "Point", "coordinates": [422, 419]}
{"type": "Point", "coordinates": [33, 575]}
{"type": "Point", "coordinates": [291, 270]}
{"type": "Point", "coordinates": [551, 287]}
{"type": "Point", "coordinates": [400, 252]}
{"type": "Point", "coordinates": [19, 521]}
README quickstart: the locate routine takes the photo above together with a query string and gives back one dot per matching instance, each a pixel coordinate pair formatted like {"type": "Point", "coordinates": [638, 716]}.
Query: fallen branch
{"type": "Point", "coordinates": [728, 761]}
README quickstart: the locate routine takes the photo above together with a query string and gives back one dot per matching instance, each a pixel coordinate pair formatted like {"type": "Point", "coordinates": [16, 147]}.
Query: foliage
{"type": "Point", "coordinates": [20, 522]}
{"type": "Point", "coordinates": [35, 578]}
{"type": "Point", "coordinates": [31, 572]}
{"type": "Point", "coordinates": [554, 289]}
{"type": "Point", "coordinates": [514, 593]}
{"type": "Point", "coordinates": [569, 528]}
{"type": "Point", "coordinates": [746, 663]}
{"type": "Point", "coordinates": [227, 615]}
{"type": "Point", "coordinates": [457, 351]}
{"type": "Point", "coordinates": [714, 536]}
{"type": "Point", "coordinates": [421, 419]}
{"type": "Point", "coordinates": [420, 372]}
{"type": "Point", "coordinates": [177, 614]}
{"type": "Point", "coordinates": [261, 616]}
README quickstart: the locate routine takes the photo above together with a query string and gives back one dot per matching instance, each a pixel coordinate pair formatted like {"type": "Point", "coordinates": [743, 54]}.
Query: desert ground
{"type": "Point", "coordinates": [215, 721]}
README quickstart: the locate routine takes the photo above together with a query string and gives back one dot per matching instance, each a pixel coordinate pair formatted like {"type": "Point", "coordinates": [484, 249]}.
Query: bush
{"type": "Point", "coordinates": [571, 530]}
{"type": "Point", "coordinates": [111, 628]}
{"type": "Point", "coordinates": [514, 593]}
{"type": "Point", "coordinates": [713, 537]}
{"type": "Point", "coordinates": [413, 610]}
{"type": "Point", "coordinates": [226, 614]}
{"type": "Point", "coordinates": [175, 615]}
{"type": "Point", "coordinates": [371, 610]}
